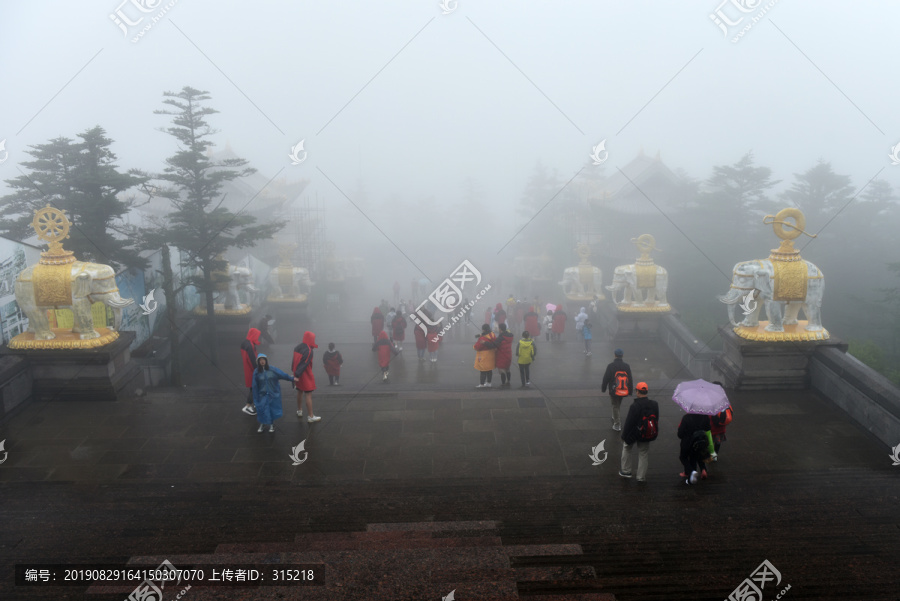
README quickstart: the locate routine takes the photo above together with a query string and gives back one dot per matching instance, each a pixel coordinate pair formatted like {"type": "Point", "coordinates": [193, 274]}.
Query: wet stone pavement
{"type": "Point", "coordinates": [422, 485]}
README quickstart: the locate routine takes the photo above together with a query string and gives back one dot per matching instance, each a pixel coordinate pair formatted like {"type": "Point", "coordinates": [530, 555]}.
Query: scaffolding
{"type": "Point", "coordinates": [309, 234]}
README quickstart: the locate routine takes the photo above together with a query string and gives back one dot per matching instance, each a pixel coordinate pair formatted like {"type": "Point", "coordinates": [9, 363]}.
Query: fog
{"type": "Point", "coordinates": [423, 129]}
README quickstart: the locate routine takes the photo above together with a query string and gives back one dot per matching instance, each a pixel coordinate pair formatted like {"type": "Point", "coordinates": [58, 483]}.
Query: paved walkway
{"type": "Point", "coordinates": [422, 485]}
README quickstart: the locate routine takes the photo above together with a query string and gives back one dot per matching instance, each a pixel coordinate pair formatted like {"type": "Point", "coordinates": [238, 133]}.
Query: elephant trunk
{"type": "Point", "coordinates": [731, 315]}
{"type": "Point", "coordinates": [733, 297]}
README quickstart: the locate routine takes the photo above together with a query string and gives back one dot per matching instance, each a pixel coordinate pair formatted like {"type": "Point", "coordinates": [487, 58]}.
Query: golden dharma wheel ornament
{"type": "Point", "coordinates": [51, 225]}
{"type": "Point", "coordinates": [787, 231]}
{"type": "Point", "coordinates": [645, 243]}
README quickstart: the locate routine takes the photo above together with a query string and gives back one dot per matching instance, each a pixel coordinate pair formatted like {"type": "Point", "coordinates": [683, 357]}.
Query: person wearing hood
{"type": "Point", "coordinates": [302, 366]}
{"type": "Point", "coordinates": [559, 323]}
{"type": "Point", "coordinates": [532, 323]}
{"type": "Point", "coordinates": [377, 320]}
{"type": "Point", "coordinates": [333, 360]}
{"type": "Point", "coordinates": [485, 355]}
{"type": "Point", "coordinates": [398, 330]}
{"type": "Point", "coordinates": [503, 359]}
{"type": "Point", "coordinates": [580, 319]}
{"type": "Point", "coordinates": [525, 355]}
{"type": "Point", "coordinates": [419, 335]}
{"type": "Point", "coordinates": [385, 349]}
{"type": "Point", "coordinates": [548, 324]}
{"type": "Point", "coordinates": [620, 382]}
{"type": "Point", "coordinates": [266, 391]}
{"type": "Point", "coordinates": [248, 354]}
{"type": "Point", "coordinates": [499, 315]}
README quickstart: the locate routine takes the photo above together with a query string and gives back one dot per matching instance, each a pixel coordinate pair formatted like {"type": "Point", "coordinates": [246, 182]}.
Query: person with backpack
{"type": "Point", "coordinates": [619, 381]}
{"type": "Point", "coordinates": [526, 351]}
{"type": "Point", "coordinates": [718, 423]}
{"type": "Point", "coordinates": [641, 428]}
{"type": "Point", "coordinates": [485, 355]}
{"type": "Point", "coordinates": [504, 355]}
{"type": "Point", "coordinates": [693, 432]}
{"type": "Point", "coordinates": [303, 371]}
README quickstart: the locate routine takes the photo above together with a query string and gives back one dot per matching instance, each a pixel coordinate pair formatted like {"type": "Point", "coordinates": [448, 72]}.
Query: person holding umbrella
{"type": "Point", "coordinates": [700, 399]}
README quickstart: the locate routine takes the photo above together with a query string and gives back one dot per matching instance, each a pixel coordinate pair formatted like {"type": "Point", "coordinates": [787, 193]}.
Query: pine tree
{"type": "Point", "coordinates": [738, 193]}
{"type": "Point", "coordinates": [199, 225]}
{"type": "Point", "coordinates": [82, 179]}
{"type": "Point", "coordinates": [821, 194]}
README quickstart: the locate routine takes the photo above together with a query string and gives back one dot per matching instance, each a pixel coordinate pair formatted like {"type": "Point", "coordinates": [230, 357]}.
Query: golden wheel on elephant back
{"type": "Point", "coordinates": [51, 225]}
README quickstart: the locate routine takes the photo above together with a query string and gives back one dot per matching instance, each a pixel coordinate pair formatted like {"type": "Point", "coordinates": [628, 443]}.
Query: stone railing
{"type": "Point", "coordinates": [691, 353]}
{"type": "Point", "coordinates": [867, 396]}
{"type": "Point", "coordinates": [15, 384]}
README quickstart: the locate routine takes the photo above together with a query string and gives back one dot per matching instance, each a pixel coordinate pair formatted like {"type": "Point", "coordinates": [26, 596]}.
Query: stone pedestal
{"type": "Point", "coordinates": [633, 325]}
{"type": "Point", "coordinates": [105, 373]}
{"type": "Point", "coordinates": [759, 365]}
{"type": "Point", "coordinates": [230, 329]}
{"type": "Point", "coordinates": [290, 321]}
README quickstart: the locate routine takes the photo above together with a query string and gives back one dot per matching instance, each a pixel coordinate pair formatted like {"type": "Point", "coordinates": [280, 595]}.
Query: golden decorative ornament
{"type": "Point", "coordinates": [51, 226]}
{"type": "Point", "coordinates": [647, 308]}
{"type": "Point", "coordinates": [790, 280]}
{"type": "Point", "coordinates": [52, 284]}
{"type": "Point", "coordinates": [794, 333]}
{"type": "Point", "coordinates": [65, 339]}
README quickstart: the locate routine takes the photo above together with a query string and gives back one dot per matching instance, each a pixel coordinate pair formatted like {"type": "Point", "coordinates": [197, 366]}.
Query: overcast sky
{"type": "Point", "coordinates": [413, 101]}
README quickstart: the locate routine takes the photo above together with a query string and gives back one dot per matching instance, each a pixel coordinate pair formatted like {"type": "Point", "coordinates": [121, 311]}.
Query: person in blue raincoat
{"type": "Point", "coordinates": [266, 392]}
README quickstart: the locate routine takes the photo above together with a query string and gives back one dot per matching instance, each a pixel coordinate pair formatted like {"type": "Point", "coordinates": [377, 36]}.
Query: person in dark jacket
{"type": "Point", "coordinates": [692, 432]}
{"type": "Point", "coordinates": [631, 433]}
{"type": "Point", "coordinates": [377, 320]}
{"type": "Point", "coordinates": [385, 349]}
{"type": "Point", "coordinates": [266, 392]}
{"type": "Point", "coordinates": [333, 361]}
{"type": "Point", "coordinates": [503, 357]}
{"type": "Point", "coordinates": [303, 371]}
{"type": "Point", "coordinates": [263, 328]}
{"type": "Point", "coordinates": [248, 355]}
{"type": "Point", "coordinates": [718, 425]}
{"type": "Point", "coordinates": [620, 383]}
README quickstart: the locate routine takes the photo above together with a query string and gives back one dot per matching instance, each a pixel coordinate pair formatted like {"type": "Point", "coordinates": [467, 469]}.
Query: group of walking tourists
{"type": "Point", "coordinates": [701, 435]}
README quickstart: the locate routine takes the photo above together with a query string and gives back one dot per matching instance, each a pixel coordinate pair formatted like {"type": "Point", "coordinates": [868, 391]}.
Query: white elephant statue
{"type": "Point", "coordinates": [227, 291]}
{"type": "Point", "coordinates": [88, 283]}
{"type": "Point", "coordinates": [573, 286]}
{"type": "Point", "coordinates": [758, 276]}
{"type": "Point", "coordinates": [625, 280]}
{"type": "Point", "coordinates": [289, 282]}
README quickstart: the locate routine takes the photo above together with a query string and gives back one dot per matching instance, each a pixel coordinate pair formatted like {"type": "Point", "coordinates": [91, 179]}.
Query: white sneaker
{"type": "Point", "coordinates": [488, 385]}
{"type": "Point", "coordinates": [261, 427]}
{"type": "Point", "coordinates": [480, 386]}
{"type": "Point", "coordinates": [527, 383]}
{"type": "Point", "coordinates": [313, 418]}
{"type": "Point", "coordinates": [715, 457]}
{"type": "Point", "coordinates": [384, 376]}
{"type": "Point", "coordinates": [299, 414]}
{"type": "Point", "coordinates": [272, 428]}
{"type": "Point", "coordinates": [693, 478]}
{"type": "Point", "coordinates": [589, 353]}
{"type": "Point", "coordinates": [249, 410]}
{"type": "Point", "coordinates": [617, 427]}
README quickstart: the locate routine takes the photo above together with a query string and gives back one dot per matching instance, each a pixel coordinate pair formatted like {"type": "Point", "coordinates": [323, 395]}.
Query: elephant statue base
{"type": "Point", "coordinates": [797, 332]}
{"type": "Point", "coordinates": [219, 309]}
{"type": "Point", "coordinates": [63, 339]}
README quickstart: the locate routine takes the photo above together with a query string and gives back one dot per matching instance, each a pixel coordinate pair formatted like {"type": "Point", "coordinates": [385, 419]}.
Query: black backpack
{"type": "Point", "coordinates": [700, 443]}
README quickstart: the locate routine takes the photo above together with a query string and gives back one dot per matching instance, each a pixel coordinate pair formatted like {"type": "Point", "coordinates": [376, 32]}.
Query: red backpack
{"type": "Point", "coordinates": [621, 380]}
{"type": "Point", "coordinates": [649, 426]}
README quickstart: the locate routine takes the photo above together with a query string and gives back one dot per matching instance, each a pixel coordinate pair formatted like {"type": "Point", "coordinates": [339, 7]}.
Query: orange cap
{"type": "Point", "coordinates": [642, 387]}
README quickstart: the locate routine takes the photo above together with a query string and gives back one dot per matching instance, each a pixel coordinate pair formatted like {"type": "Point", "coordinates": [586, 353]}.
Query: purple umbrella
{"type": "Point", "coordinates": [700, 396]}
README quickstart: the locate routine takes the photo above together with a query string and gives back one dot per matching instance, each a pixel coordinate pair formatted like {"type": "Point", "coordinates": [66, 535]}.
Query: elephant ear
{"type": "Point", "coordinates": [82, 285]}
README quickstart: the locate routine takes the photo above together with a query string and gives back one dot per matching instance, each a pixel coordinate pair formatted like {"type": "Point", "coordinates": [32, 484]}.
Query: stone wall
{"type": "Point", "coordinates": [693, 354]}
{"type": "Point", "coordinates": [867, 396]}
{"type": "Point", "coordinates": [15, 384]}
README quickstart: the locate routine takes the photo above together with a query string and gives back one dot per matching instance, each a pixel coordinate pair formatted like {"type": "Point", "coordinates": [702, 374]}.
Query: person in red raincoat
{"type": "Point", "coordinates": [518, 315]}
{"type": "Point", "coordinates": [385, 349]}
{"type": "Point", "coordinates": [248, 354]}
{"type": "Point", "coordinates": [377, 320]}
{"type": "Point", "coordinates": [559, 323]}
{"type": "Point", "coordinates": [302, 366]}
{"type": "Point", "coordinates": [420, 342]}
{"type": "Point", "coordinates": [504, 355]}
{"type": "Point", "coordinates": [398, 330]}
{"type": "Point", "coordinates": [499, 314]}
{"type": "Point", "coordinates": [532, 323]}
{"type": "Point", "coordinates": [333, 361]}
{"type": "Point", "coordinates": [433, 342]}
